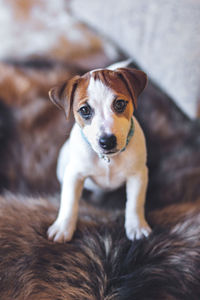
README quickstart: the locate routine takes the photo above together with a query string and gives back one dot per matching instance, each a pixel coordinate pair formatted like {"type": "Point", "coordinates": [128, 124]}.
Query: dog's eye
{"type": "Point", "coordinates": [120, 105]}
{"type": "Point", "coordinates": [85, 111]}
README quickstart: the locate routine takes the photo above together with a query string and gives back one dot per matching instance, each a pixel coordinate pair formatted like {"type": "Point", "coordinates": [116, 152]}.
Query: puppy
{"type": "Point", "coordinates": [106, 148]}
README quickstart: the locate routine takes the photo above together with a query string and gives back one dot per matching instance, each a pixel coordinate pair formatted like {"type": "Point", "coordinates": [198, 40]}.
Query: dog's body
{"type": "Point", "coordinates": [106, 148]}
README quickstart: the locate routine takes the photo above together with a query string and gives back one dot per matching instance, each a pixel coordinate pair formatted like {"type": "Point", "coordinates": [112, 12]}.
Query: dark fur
{"type": "Point", "coordinates": [173, 143]}
{"type": "Point", "coordinates": [8, 158]}
{"type": "Point", "coordinates": [33, 128]}
{"type": "Point", "coordinates": [99, 263]}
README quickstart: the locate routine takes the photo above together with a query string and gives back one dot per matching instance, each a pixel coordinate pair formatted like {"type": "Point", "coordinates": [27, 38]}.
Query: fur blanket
{"type": "Point", "coordinates": [99, 263]}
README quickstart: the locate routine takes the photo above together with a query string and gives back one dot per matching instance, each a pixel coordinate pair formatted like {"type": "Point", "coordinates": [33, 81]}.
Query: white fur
{"type": "Point", "coordinates": [121, 64]}
{"type": "Point", "coordinates": [79, 165]}
{"type": "Point", "coordinates": [105, 120]}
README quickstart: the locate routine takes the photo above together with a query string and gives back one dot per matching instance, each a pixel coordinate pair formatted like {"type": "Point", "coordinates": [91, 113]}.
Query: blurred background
{"type": "Point", "coordinates": [45, 42]}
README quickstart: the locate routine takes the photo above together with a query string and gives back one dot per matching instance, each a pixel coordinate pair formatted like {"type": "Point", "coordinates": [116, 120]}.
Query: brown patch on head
{"type": "Point", "coordinates": [126, 83]}
{"type": "Point", "coordinates": [134, 80]}
{"type": "Point", "coordinates": [114, 82]}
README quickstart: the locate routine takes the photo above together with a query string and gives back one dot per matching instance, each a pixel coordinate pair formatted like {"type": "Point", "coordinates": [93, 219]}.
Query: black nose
{"type": "Point", "coordinates": [108, 142]}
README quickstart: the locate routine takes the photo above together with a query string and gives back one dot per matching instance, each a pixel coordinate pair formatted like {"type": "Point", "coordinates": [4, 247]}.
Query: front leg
{"type": "Point", "coordinates": [64, 226]}
{"type": "Point", "coordinates": [135, 223]}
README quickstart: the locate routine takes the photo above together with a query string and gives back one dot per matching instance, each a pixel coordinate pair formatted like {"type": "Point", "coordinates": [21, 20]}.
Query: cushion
{"type": "Point", "coordinates": [162, 38]}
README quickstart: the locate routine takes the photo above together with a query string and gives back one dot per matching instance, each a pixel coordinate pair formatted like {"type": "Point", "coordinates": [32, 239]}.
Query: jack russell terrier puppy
{"type": "Point", "coordinates": [106, 148]}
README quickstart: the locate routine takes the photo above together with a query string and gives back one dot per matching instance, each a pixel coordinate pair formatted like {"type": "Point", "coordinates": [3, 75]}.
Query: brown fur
{"type": "Point", "coordinates": [126, 81]}
{"type": "Point", "coordinates": [99, 263]}
{"type": "Point", "coordinates": [128, 112]}
{"type": "Point", "coordinates": [39, 129]}
{"type": "Point", "coordinates": [173, 144]}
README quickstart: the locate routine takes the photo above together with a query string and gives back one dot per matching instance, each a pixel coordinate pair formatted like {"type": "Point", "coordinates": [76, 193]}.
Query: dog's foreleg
{"type": "Point", "coordinates": [63, 228]}
{"type": "Point", "coordinates": [135, 223]}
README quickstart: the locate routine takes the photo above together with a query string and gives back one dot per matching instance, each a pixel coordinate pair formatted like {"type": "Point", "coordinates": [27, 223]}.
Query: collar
{"type": "Point", "coordinates": [129, 136]}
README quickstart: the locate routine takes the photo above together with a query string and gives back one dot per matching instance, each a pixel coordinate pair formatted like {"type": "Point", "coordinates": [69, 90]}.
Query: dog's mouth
{"type": "Point", "coordinates": [106, 155]}
{"type": "Point", "coordinates": [110, 153]}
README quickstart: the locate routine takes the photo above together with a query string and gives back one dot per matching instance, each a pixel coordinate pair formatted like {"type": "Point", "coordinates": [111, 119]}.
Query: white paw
{"type": "Point", "coordinates": [61, 231]}
{"type": "Point", "coordinates": [137, 230]}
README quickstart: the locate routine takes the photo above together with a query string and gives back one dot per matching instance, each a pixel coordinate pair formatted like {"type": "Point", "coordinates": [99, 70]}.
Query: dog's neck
{"type": "Point", "coordinates": [129, 136]}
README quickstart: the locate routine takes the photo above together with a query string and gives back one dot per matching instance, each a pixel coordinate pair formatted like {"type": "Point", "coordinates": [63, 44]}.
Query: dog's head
{"type": "Point", "coordinates": [103, 102]}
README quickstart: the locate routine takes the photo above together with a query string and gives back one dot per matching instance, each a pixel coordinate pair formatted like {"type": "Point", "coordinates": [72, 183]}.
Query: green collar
{"type": "Point", "coordinates": [130, 134]}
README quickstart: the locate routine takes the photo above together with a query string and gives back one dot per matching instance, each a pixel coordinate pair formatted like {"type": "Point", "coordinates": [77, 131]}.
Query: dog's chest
{"type": "Point", "coordinates": [108, 175]}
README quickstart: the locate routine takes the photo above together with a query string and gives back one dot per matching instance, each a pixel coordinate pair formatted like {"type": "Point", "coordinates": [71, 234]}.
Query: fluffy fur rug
{"type": "Point", "coordinates": [173, 143]}
{"type": "Point", "coordinates": [31, 130]}
{"type": "Point", "coordinates": [99, 263]}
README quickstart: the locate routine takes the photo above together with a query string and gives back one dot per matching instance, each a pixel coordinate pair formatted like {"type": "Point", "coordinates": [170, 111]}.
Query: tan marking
{"type": "Point", "coordinates": [128, 112]}
{"type": "Point", "coordinates": [80, 98]}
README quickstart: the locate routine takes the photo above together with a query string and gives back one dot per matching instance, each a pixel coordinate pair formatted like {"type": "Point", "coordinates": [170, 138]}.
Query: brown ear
{"type": "Point", "coordinates": [63, 95]}
{"type": "Point", "coordinates": [135, 81]}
